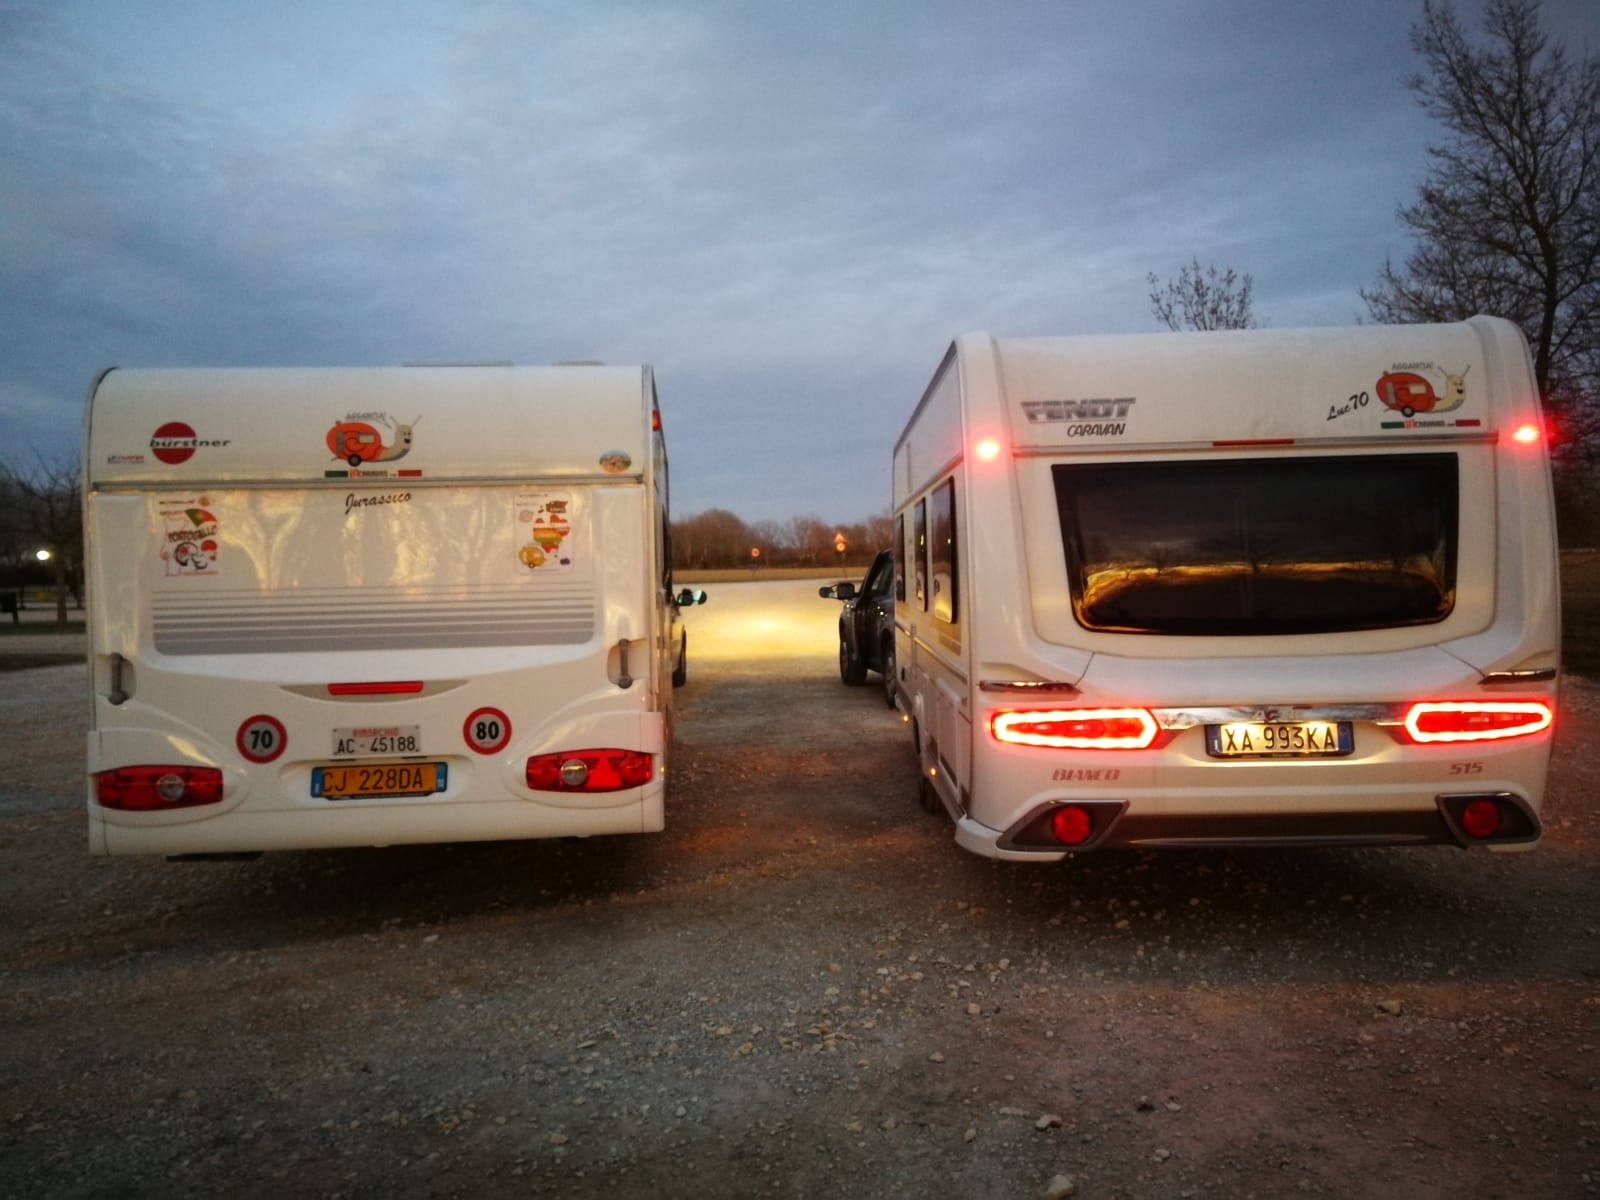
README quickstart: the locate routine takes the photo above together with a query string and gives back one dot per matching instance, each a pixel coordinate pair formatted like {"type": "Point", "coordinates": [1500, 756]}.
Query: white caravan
{"type": "Point", "coordinates": [353, 607]}
{"type": "Point", "coordinates": [1263, 587]}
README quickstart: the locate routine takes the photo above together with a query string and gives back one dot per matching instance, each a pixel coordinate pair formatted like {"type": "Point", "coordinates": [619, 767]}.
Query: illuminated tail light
{"type": "Point", "coordinates": [1526, 434]}
{"type": "Point", "coordinates": [589, 771]}
{"type": "Point", "coordinates": [1476, 721]}
{"type": "Point", "coordinates": [1076, 728]}
{"type": "Point", "coordinates": [156, 788]}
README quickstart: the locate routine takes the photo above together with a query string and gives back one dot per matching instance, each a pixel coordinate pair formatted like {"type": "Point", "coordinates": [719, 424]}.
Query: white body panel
{"type": "Point", "coordinates": [1284, 402]}
{"type": "Point", "coordinates": [490, 538]}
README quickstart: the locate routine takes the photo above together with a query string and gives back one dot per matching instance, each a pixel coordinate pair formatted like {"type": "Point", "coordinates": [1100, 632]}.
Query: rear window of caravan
{"type": "Point", "coordinates": [1261, 546]}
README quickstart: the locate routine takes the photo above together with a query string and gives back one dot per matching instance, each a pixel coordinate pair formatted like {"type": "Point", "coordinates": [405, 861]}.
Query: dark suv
{"type": "Point", "coordinates": [866, 626]}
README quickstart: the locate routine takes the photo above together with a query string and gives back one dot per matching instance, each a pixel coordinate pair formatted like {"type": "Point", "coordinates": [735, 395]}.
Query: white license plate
{"type": "Point", "coordinates": [1279, 739]}
{"type": "Point", "coordinates": [364, 741]}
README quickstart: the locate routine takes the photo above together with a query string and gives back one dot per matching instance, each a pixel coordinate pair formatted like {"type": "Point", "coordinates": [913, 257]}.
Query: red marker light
{"type": "Point", "coordinates": [988, 449]}
{"type": "Point", "coordinates": [1526, 434]}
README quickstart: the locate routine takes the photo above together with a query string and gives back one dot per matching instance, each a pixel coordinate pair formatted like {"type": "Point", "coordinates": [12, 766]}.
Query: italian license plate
{"type": "Point", "coordinates": [359, 781]}
{"type": "Point", "coordinates": [366, 741]}
{"type": "Point", "coordinates": [1279, 739]}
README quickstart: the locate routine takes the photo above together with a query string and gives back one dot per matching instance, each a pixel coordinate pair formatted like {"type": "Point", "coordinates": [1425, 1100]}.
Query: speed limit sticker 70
{"type": "Point", "coordinates": [487, 730]}
{"type": "Point", "coordinates": [261, 738]}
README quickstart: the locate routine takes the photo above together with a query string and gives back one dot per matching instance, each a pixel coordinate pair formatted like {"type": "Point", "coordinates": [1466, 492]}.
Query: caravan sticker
{"type": "Point", "coordinates": [1409, 393]}
{"type": "Point", "coordinates": [175, 442]}
{"type": "Point", "coordinates": [189, 538]}
{"type": "Point", "coordinates": [543, 528]}
{"type": "Point", "coordinates": [357, 441]}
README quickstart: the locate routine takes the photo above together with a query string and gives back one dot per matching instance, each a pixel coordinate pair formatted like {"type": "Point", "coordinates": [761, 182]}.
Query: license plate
{"type": "Point", "coordinates": [358, 781]}
{"type": "Point", "coordinates": [366, 741]}
{"type": "Point", "coordinates": [1279, 739]}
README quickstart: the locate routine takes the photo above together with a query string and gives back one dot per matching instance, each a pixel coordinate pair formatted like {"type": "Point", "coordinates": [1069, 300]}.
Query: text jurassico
{"type": "Point", "coordinates": [353, 501]}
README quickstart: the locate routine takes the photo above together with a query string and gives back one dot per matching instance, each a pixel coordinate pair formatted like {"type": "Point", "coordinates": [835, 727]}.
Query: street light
{"type": "Point", "coordinates": [42, 555]}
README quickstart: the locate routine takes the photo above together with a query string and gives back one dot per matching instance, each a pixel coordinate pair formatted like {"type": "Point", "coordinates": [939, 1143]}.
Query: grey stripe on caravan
{"type": "Point", "coordinates": [288, 623]}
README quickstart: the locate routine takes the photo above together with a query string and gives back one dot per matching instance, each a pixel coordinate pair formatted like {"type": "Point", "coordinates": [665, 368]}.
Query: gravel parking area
{"type": "Point", "coordinates": [802, 989]}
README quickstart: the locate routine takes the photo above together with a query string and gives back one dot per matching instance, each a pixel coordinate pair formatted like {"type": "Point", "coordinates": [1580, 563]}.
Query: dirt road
{"type": "Point", "coordinates": [802, 989]}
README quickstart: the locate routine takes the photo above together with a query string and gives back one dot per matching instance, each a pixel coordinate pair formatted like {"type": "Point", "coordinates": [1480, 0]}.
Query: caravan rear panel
{"type": "Point", "coordinates": [358, 607]}
{"type": "Point", "coordinates": [1269, 586]}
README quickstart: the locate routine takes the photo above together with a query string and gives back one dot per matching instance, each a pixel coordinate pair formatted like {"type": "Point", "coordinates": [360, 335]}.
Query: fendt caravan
{"type": "Point", "coordinates": [352, 607]}
{"type": "Point", "coordinates": [1259, 587]}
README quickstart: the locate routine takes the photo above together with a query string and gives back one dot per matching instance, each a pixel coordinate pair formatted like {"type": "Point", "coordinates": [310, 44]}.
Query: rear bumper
{"type": "Point", "coordinates": [1115, 826]}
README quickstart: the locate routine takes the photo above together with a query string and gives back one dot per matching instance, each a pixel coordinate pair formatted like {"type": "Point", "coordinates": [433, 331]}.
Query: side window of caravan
{"type": "Point", "coordinates": [900, 557]}
{"type": "Point", "coordinates": [1287, 545]}
{"type": "Point", "coordinates": [919, 556]}
{"type": "Point", "coordinates": [942, 553]}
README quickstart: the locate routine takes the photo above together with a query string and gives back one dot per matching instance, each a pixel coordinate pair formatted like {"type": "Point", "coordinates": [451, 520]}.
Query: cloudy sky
{"type": "Point", "coordinates": [787, 208]}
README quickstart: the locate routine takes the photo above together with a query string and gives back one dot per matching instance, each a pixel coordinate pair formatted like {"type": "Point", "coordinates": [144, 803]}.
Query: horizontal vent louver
{"type": "Point", "coordinates": [331, 619]}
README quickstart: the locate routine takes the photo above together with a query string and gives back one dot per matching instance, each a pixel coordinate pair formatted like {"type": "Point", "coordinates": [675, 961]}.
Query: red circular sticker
{"type": "Point", "coordinates": [261, 738]}
{"type": "Point", "coordinates": [487, 730]}
{"type": "Point", "coordinates": [173, 443]}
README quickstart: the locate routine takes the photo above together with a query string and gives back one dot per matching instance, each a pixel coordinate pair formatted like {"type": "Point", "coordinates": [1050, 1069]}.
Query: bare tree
{"type": "Point", "coordinates": [44, 504]}
{"type": "Point", "coordinates": [1507, 220]}
{"type": "Point", "coordinates": [1202, 298]}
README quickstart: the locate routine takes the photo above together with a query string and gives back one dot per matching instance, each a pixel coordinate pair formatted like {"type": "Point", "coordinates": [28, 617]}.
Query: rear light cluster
{"type": "Point", "coordinates": [1475, 720]}
{"type": "Point", "coordinates": [155, 788]}
{"type": "Point", "coordinates": [1077, 728]}
{"type": "Point", "coordinates": [1427, 722]}
{"type": "Point", "coordinates": [589, 771]}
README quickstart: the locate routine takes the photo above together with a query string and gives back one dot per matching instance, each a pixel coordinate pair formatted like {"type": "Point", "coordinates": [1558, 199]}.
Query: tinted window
{"type": "Point", "coordinates": [920, 555]}
{"type": "Point", "coordinates": [1260, 546]}
{"type": "Point", "coordinates": [899, 557]}
{"type": "Point", "coordinates": [942, 553]}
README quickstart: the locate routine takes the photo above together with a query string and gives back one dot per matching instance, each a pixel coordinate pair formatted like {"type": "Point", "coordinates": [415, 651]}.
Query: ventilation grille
{"type": "Point", "coordinates": [309, 620]}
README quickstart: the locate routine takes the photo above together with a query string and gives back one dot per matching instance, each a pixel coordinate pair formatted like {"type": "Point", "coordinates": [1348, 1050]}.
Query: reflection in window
{"type": "Point", "coordinates": [1261, 546]}
{"type": "Point", "coordinates": [899, 557]}
{"type": "Point", "coordinates": [920, 553]}
{"type": "Point", "coordinates": [942, 553]}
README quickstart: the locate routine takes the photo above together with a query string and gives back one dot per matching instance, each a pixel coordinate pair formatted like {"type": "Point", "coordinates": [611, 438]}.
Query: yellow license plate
{"type": "Point", "coordinates": [360, 781]}
{"type": "Point", "coordinates": [1279, 739]}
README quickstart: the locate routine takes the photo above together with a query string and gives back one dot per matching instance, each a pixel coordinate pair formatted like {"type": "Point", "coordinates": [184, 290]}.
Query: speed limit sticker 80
{"type": "Point", "coordinates": [487, 730]}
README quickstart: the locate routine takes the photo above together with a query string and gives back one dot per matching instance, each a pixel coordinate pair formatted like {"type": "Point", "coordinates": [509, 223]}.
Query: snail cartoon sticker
{"type": "Point", "coordinates": [543, 532]}
{"type": "Point", "coordinates": [189, 543]}
{"type": "Point", "coordinates": [358, 441]}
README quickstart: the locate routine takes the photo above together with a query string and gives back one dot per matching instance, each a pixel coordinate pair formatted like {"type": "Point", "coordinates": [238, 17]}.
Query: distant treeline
{"type": "Point", "coordinates": [717, 539]}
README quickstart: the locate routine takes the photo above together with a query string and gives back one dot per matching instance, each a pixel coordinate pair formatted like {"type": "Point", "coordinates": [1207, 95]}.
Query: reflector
{"type": "Point", "coordinates": [1481, 818]}
{"type": "Point", "coordinates": [1070, 825]}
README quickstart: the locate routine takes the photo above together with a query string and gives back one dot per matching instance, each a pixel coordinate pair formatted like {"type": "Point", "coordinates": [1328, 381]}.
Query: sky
{"type": "Point", "coordinates": [787, 209]}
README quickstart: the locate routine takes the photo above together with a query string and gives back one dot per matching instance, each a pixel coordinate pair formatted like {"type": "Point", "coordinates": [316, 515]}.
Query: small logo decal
{"type": "Point", "coordinates": [175, 442]}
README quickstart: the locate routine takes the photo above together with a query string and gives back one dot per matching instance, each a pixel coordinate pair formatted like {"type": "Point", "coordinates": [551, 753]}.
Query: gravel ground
{"type": "Point", "coordinates": [803, 988]}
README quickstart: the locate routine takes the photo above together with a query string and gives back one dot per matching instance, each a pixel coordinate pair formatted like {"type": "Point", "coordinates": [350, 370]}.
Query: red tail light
{"type": "Point", "coordinates": [1476, 720]}
{"type": "Point", "coordinates": [589, 771]}
{"type": "Point", "coordinates": [1076, 728]}
{"type": "Point", "coordinates": [154, 789]}
{"type": "Point", "coordinates": [1481, 818]}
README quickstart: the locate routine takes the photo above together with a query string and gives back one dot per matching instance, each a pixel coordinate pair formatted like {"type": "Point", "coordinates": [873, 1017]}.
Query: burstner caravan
{"type": "Point", "coordinates": [1260, 587]}
{"type": "Point", "coordinates": [359, 607]}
